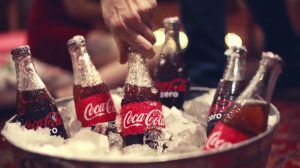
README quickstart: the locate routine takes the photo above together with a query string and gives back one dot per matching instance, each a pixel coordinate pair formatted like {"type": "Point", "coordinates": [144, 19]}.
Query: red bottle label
{"type": "Point", "coordinates": [95, 109]}
{"type": "Point", "coordinates": [137, 117]}
{"type": "Point", "coordinates": [220, 107]}
{"type": "Point", "coordinates": [224, 136]}
{"type": "Point", "coordinates": [52, 119]}
{"type": "Point", "coordinates": [177, 84]}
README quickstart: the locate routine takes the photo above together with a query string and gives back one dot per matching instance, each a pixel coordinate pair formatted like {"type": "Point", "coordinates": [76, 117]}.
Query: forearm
{"type": "Point", "coordinates": [293, 9]}
{"type": "Point", "coordinates": [114, 74]}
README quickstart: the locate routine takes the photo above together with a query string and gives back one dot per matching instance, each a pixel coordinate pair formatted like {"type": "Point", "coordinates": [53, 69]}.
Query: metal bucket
{"type": "Point", "coordinates": [252, 153]}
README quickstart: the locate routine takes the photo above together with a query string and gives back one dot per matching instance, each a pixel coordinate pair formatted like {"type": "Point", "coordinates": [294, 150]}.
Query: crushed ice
{"type": "Point", "coordinates": [185, 132]}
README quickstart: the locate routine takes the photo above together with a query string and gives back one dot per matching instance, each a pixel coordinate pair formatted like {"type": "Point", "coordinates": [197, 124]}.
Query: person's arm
{"type": "Point", "coordinates": [293, 8]}
{"type": "Point", "coordinates": [129, 22]}
{"type": "Point", "coordinates": [117, 79]}
{"type": "Point", "coordinates": [83, 10]}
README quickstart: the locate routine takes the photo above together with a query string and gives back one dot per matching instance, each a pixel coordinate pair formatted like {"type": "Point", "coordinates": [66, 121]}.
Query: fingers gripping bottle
{"type": "Point", "coordinates": [171, 73]}
{"type": "Point", "coordinates": [230, 86]}
{"type": "Point", "coordinates": [93, 103]}
{"type": "Point", "coordinates": [248, 116]}
{"type": "Point", "coordinates": [141, 114]}
{"type": "Point", "coordinates": [35, 106]}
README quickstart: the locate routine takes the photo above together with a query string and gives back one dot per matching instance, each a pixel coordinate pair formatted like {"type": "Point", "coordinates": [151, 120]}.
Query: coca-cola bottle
{"type": "Point", "coordinates": [141, 114]}
{"type": "Point", "coordinates": [35, 106]}
{"type": "Point", "coordinates": [230, 86]}
{"type": "Point", "coordinates": [171, 74]}
{"type": "Point", "coordinates": [248, 116]}
{"type": "Point", "coordinates": [93, 103]}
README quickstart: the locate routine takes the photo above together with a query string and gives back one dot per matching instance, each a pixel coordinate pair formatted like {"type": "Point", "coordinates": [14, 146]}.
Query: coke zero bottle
{"type": "Point", "coordinates": [170, 73]}
{"type": "Point", "coordinates": [249, 114]}
{"type": "Point", "coordinates": [93, 102]}
{"type": "Point", "coordinates": [35, 106]}
{"type": "Point", "coordinates": [141, 112]}
{"type": "Point", "coordinates": [230, 86]}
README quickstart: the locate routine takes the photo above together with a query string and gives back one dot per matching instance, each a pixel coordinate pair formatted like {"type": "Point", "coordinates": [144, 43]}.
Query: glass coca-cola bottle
{"type": "Point", "coordinates": [249, 115]}
{"type": "Point", "coordinates": [171, 74]}
{"type": "Point", "coordinates": [141, 114]}
{"type": "Point", "coordinates": [35, 106]}
{"type": "Point", "coordinates": [230, 86]}
{"type": "Point", "coordinates": [93, 103]}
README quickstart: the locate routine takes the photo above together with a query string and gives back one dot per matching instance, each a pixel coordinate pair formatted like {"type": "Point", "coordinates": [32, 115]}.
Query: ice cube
{"type": "Point", "coordinates": [115, 139]}
{"type": "Point", "coordinates": [118, 122]}
{"type": "Point", "coordinates": [185, 131]}
{"type": "Point", "coordinates": [187, 140]}
{"type": "Point", "coordinates": [73, 127]}
{"type": "Point", "coordinates": [198, 108]}
{"type": "Point", "coordinates": [117, 102]}
{"type": "Point", "coordinates": [68, 111]}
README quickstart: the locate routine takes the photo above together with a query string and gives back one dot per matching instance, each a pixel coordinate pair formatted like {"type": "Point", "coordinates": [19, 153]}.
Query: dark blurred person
{"type": "Point", "coordinates": [281, 35]}
{"type": "Point", "coordinates": [206, 30]}
{"type": "Point", "coordinates": [53, 22]}
{"type": "Point", "coordinates": [204, 23]}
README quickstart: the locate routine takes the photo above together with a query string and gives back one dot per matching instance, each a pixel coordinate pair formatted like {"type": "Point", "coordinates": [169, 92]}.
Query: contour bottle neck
{"type": "Point", "coordinates": [171, 38]}
{"type": "Point", "coordinates": [84, 71]}
{"type": "Point", "coordinates": [236, 64]}
{"type": "Point", "coordinates": [27, 78]}
{"type": "Point", "coordinates": [138, 73]}
{"type": "Point", "coordinates": [262, 85]}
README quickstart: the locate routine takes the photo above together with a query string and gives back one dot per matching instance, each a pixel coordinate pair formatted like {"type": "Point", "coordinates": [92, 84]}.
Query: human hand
{"type": "Point", "coordinates": [129, 22]}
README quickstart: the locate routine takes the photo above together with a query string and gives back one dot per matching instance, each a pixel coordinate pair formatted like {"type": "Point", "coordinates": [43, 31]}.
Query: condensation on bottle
{"type": "Point", "coordinates": [142, 119]}
{"type": "Point", "coordinates": [93, 102]}
{"type": "Point", "coordinates": [35, 106]}
{"type": "Point", "coordinates": [171, 73]}
{"type": "Point", "coordinates": [230, 86]}
{"type": "Point", "coordinates": [248, 116]}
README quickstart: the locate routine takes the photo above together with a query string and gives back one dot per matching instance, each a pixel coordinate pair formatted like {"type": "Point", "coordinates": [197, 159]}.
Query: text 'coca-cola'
{"type": "Point", "coordinates": [137, 117]}
{"type": "Point", "coordinates": [223, 136]}
{"type": "Point", "coordinates": [95, 109]}
{"type": "Point", "coordinates": [177, 84]}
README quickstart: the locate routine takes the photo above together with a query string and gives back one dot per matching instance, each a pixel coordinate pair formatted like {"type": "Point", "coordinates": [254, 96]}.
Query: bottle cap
{"type": "Point", "coordinates": [20, 51]}
{"type": "Point", "coordinates": [76, 40]}
{"type": "Point", "coordinates": [271, 55]}
{"type": "Point", "coordinates": [274, 59]}
{"type": "Point", "coordinates": [241, 50]}
{"type": "Point", "coordinates": [171, 20]}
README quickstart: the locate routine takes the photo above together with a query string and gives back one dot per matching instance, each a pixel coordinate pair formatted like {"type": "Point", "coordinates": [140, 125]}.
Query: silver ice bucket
{"type": "Point", "coordinates": [252, 153]}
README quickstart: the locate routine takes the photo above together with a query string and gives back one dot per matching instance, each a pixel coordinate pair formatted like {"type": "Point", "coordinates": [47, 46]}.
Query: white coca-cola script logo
{"type": "Point", "coordinates": [153, 118]}
{"type": "Point", "coordinates": [91, 111]}
{"type": "Point", "coordinates": [214, 141]}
